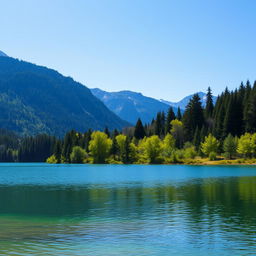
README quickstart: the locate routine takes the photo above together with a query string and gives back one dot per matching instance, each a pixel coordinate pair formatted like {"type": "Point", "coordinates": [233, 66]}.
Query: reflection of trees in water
{"type": "Point", "coordinates": [231, 199]}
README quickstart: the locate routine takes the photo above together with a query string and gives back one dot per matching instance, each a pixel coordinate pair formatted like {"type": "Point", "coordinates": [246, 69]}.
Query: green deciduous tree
{"type": "Point", "coordinates": [99, 147]}
{"type": "Point", "coordinates": [168, 145]}
{"type": "Point", "coordinates": [122, 147]}
{"type": "Point", "coordinates": [177, 132]}
{"type": "Point", "coordinates": [245, 146]}
{"type": "Point", "coordinates": [209, 145]}
{"type": "Point", "coordinates": [153, 149]}
{"type": "Point", "coordinates": [77, 155]}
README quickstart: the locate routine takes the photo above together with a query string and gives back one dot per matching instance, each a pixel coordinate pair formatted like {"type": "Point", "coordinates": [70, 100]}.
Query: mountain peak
{"type": "Point", "coordinates": [2, 54]}
{"type": "Point", "coordinates": [183, 103]}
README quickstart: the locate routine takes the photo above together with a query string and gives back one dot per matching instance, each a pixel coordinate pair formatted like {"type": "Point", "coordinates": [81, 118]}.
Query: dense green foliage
{"type": "Point", "coordinates": [35, 99]}
{"type": "Point", "coordinates": [28, 149]}
{"type": "Point", "coordinates": [225, 130]}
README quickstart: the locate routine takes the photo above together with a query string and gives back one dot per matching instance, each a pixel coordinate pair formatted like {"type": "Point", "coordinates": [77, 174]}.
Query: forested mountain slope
{"type": "Point", "coordinates": [35, 99]}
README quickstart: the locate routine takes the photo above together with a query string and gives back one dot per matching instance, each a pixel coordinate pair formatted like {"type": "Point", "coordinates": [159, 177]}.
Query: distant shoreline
{"type": "Point", "coordinates": [192, 162]}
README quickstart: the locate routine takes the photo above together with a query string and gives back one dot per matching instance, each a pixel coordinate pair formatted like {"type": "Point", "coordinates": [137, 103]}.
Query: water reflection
{"type": "Point", "coordinates": [188, 218]}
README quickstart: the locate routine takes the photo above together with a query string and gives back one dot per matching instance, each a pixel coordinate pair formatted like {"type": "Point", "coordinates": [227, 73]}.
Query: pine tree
{"type": "Point", "coordinates": [87, 139]}
{"type": "Point", "coordinates": [115, 133]}
{"type": "Point", "coordinates": [139, 132]}
{"type": "Point", "coordinates": [193, 117]}
{"type": "Point", "coordinates": [162, 131]}
{"type": "Point", "coordinates": [170, 116]}
{"type": "Point", "coordinates": [57, 151]}
{"type": "Point", "coordinates": [114, 148]}
{"type": "Point", "coordinates": [233, 121]}
{"type": "Point", "coordinates": [127, 151]}
{"type": "Point", "coordinates": [250, 111]}
{"type": "Point", "coordinates": [157, 124]}
{"type": "Point", "coordinates": [209, 104]}
{"type": "Point", "coordinates": [197, 138]}
{"type": "Point", "coordinates": [203, 133]}
{"type": "Point", "coordinates": [68, 144]}
{"type": "Point", "coordinates": [179, 115]}
{"type": "Point", "coordinates": [107, 132]}
{"type": "Point", "coordinates": [219, 114]}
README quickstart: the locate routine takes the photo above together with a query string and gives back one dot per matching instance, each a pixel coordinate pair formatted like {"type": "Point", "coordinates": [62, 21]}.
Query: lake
{"type": "Point", "coordinates": [143, 210]}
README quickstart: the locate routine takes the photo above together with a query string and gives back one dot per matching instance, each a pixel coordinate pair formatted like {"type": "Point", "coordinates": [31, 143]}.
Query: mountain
{"type": "Point", "coordinates": [183, 103]}
{"type": "Point", "coordinates": [2, 54]}
{"type": "Point", "coordinates": [35, 99]}
{"type": "Point", "coordinates": [130, 105]}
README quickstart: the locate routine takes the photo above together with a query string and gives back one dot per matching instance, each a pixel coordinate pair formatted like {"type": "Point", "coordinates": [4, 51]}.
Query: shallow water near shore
{"type": "Point", "coordinates": [127, 210]}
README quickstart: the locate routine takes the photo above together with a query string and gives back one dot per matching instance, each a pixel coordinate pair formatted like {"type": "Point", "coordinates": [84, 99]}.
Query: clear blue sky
{"type": "Point", "coordinates": [164, 49]}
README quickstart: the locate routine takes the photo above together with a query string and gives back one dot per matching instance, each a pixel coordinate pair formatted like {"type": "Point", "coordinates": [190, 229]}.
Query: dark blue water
{"type": "Point", "coordinates": [127, 210]}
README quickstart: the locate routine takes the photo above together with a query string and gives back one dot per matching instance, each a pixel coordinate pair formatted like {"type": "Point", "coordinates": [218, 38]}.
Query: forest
{"type": "Point", "coordinates": [222, 133]}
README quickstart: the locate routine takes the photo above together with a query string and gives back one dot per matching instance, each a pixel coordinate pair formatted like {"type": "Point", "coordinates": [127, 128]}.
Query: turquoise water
{"type": "Point", "coordinates": [127, 210]}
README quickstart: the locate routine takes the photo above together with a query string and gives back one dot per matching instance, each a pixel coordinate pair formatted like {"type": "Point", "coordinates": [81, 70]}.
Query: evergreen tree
{"type": "Point", "coordinates": [115, 133]}
{"type": "Point", "coordinates": [203, 133]}
{"type": "Point", "coordinates": [193, 117]}
{"type": "Point", "coordinates": [57, 151]}
{"type": "Point", "coordinates": [197, 138]}
{"type": "Point", "coordinates": [233, 121]}
{"type": "Point", "coordinates": [67, 146]}
{"type": "Point", "coordinates": [114, 148]}
{"type": "Point", "coordinates": [127, 151]}
{"type": "Point", "coordinates": [158, 124]}
{"type": "Point", "coordinates": [36, 149]}
{"type": "Point", "coordinates": [162, 131]}
{"type": "Point", "coordinates": [107, 131]}
{"type": "Point", "coordinates": [170, 116]}
{"type": "Point", "coordinates": [250, 111]}
{"type": "Point", "coordinates": [179, 115]}
{"type": "Point", "coordinates": [139, 132]}
{"type": "Point", "coordinates": [209, 104]}
{"type": "Point", "coordinates": [87, 139]}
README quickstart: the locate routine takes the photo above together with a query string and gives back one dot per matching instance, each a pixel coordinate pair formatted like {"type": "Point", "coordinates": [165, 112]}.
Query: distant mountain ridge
{"type": "Point", "coordinates": [36, 99]}
{"type": "Point", "coordinates": [130, 105]}
{"type": "Point", "coordinates": [2, 54]}
{"type": "Point", "coordinates": [183, 103]}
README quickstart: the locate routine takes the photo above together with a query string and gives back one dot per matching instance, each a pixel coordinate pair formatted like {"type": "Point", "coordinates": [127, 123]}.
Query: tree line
{"type": "Point", "coordinates": [226, 129]}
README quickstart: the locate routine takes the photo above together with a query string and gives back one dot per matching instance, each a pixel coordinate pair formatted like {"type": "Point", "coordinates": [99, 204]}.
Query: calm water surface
{"type": "Point", "coordinates": [97, 210]}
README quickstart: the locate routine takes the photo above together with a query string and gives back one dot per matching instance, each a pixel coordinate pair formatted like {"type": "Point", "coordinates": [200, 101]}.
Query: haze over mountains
{"type": "Point", "coordinates": [130, 105]}
{"type": "Point", "coordinates": [35, 99]}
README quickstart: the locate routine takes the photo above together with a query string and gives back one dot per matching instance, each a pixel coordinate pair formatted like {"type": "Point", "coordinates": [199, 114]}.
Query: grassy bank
{"type": "Point", "coordinates": [219, 161]}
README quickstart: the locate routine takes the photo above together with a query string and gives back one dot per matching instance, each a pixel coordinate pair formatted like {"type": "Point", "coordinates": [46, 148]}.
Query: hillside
{"type": "Point", "coordinates": [35, 99]}
{"type": "Point", "coordinates": [2, 54]}
{"type": "Point", "coordinates": [130, 105]}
